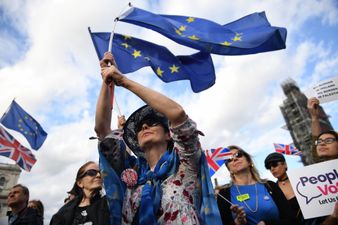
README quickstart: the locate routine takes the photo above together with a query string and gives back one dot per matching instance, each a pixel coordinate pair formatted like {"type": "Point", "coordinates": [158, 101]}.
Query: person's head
{"type": "Point", "coordinates": [240, 162]}
{"type": "Point", "coordinates": [275, 162]}
{"type": "Point", "coordinates": [88, 180]}
{"type": "Point", "coordinates": [18, 197]}
{"type": "Point", "coordinates": [326, 146]}
{"type": "Point", "coordinates": [146, 128]}
{"type": "Point", "coordinates": [37, 204]}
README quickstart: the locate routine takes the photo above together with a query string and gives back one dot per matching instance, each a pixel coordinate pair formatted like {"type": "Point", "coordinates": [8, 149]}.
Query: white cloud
{"type": "Point", "coordinates": [57, 79]}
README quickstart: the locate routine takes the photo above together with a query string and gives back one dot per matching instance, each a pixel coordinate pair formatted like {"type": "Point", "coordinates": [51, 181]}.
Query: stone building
{"type": "Point", "coordinates": [9, 175]}
{"type": "Point", "coordinates": [298, 119]}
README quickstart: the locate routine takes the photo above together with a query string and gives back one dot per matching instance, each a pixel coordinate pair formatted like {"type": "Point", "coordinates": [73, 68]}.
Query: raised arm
{"type": "Point", "coordinates": [103, 108]}
{"type": "Point", "coordinates": [172, 110]}
{"type": "Point", "coordinates": [313, 108]}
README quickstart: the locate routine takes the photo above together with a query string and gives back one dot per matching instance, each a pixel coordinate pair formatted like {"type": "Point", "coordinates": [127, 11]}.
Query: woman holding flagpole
{"type": "Point", "coordinates": [248, 199]}
{"type": "Point", "coordinates": [169, 183]}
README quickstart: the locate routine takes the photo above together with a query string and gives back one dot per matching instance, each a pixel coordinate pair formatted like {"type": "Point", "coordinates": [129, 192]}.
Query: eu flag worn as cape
{"type": "Point", "coordinates": [132, 54]}
{"type": "Point", "coordinates": [19, 120]}
{"type": "Point", "coordinates": [12, 149]}
{"type": "Point", "coordinates": [248, 35]}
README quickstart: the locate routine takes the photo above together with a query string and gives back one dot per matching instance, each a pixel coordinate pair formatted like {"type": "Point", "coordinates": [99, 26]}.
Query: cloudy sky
{"type": "Point", "coordinates": [48, 63]}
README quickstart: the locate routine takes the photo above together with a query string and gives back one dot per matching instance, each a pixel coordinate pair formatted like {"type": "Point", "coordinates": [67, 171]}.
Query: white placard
{"type": "Point", "coordinates": [325, 91]}
{"type": "Point", "coordinates": [316, 188]}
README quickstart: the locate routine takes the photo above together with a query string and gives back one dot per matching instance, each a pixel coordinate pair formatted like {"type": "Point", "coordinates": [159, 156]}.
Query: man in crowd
{"type": "Point", "coordinates": [20, 214]}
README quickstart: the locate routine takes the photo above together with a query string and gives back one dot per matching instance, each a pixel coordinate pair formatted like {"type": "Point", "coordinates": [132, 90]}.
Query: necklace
{"type": "Point", "coordinates": [283, 181]}
{"type": "Point", "coordinates": [245, 200]}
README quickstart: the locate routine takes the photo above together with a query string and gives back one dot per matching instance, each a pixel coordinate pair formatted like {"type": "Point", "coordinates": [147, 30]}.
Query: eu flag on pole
{"type": "Point", "coordinates": [132, 54]}
{"type": "Point", "coordinates": [248, 35]}
{"type": "Point", "coordinates": [19, 120]}
{"type": "Point", "coordinates": [12, 149]}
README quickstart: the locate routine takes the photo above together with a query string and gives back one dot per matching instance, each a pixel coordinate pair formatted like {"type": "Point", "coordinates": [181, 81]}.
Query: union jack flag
{"type": "Point", "coordinates": [287, 149]}
{"type": "Point", "coordinates": [215, 158]}
{"type": "Point", "coordinates": [12, 149]}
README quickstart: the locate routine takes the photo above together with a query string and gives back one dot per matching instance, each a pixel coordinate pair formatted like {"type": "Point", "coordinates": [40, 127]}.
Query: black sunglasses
{"type": "Point", "coordinates": [149, 122]}
{"type": "Point", "coordinates": [91, 173]}
{"type": "Point", "coordinates": [237, 155]}
{"type": "Point", "coordinates": [273, 164]}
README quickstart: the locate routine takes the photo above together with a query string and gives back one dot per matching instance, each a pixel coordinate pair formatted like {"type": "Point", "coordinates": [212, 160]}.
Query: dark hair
{"type": "Point", "coordinates": [38, 206]}
{"type": "Point", "coordinates": [76, 190]}
{"type": "Point", "coordinates": [25, 190]}
{"type": "Point", "coordinates": [332, 132]}
{"type": "Point", "coordinates": [315, 156]}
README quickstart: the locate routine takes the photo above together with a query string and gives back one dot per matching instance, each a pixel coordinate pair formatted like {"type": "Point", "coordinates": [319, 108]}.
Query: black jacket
{"type": "Point", "coordinates": [98, 212]}
{"type": "Point", "coordinates": [277, 196]}
{"type": "Point", "coordinates": [27, 216]}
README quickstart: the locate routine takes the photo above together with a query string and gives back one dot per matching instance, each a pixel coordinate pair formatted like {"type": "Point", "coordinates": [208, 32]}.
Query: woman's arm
{"type": "Point", "coordinates": [172, 110]}
{"type": "Point", "coordinates": [313, 107]}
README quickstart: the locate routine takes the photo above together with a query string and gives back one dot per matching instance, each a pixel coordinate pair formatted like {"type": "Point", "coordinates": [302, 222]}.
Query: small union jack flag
{"type": "Point", "coordinates": [12, 149]}
{"type": "Point", "coordinates": [215, 158]}
{"type": "Point", "coordinates": [287, 149]}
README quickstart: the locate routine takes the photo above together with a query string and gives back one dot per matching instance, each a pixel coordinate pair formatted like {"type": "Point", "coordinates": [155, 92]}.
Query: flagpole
{"type": "Point", "coordinates": [225, 199]}
{"type": "Point", "coordinates": [110, 49]}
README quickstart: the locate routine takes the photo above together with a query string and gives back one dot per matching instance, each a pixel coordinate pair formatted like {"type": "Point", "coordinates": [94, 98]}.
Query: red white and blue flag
{"type": "Point", "coordinates": [215, 158]}
{"type": "Point", "coordinates": [12, 149]}
{"type": "Point", "coordinates": [287, 149]}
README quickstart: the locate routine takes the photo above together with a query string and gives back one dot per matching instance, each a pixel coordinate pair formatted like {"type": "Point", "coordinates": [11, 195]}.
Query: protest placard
{"type": "Point", "coordinates": [325, 91]}
{"type": "Point", "coordinates": [316, 188]}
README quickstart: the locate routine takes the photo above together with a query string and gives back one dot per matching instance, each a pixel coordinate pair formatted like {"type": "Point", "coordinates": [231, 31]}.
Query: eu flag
{"type": "Point", "coordinates": [19, 120]}
{"type": "Point", "coordinates": [132, 54]}
{"type": "Point", "coordinates": [248, 35]}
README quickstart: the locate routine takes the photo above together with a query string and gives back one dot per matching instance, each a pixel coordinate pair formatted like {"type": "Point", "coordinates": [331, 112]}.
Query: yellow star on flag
{"type": "Point", "coordinates": [206, 210]}
{"type": "Point", "coordinates": [174, 69]}
{"type": "Point", "coordinates": [190, 19]}
{"type": "Point", "coordinates": [125, 45]}
{"type": "Point", "coordinates": [136, 54]}
{"type": "Point", "coordinates": [182, 28]}
{"type": "Point", "coordinates": [126, 37]}
{"type": "Point", "coordinates": [225, 43]}
{"type": "Point", "coordinates": [178, 32]}
{"type": "Point", "coordinates": [237, 38]}
{"type": "Point", "coordinates": [193, 37]}
{"type": "Point", "coordinates": [159, 72]}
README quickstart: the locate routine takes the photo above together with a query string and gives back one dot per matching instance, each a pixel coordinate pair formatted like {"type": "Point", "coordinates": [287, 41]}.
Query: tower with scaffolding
{"type": "Point", "coordinates": [298, 119]}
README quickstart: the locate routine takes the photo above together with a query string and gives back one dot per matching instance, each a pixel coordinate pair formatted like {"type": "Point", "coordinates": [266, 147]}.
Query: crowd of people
{"type": "Point", "coordinates": [160, 168]}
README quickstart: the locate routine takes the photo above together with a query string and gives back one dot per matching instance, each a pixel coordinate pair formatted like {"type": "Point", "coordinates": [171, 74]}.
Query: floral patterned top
{"type": "Point", "coordinates": [181, 192]}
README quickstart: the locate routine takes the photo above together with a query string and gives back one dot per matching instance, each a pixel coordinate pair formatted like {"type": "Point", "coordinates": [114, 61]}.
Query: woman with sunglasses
{"type": "Point", "coordinates": [275, 162]}
{"type": "Point", "coordinates": [253, 200]}
{"type": "Point", "coordinates": [89, 206]}
{"type": "Point", "coordinates": [165, 186]}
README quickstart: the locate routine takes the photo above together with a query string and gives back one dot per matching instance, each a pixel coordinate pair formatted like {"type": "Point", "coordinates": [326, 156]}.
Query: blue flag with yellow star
{"type": "Point", "coordinates": [132, 54]}
{"type": "Point", "coordinates": [248, 35]}
{"type": "Point", "coordinates": [16, 118]}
